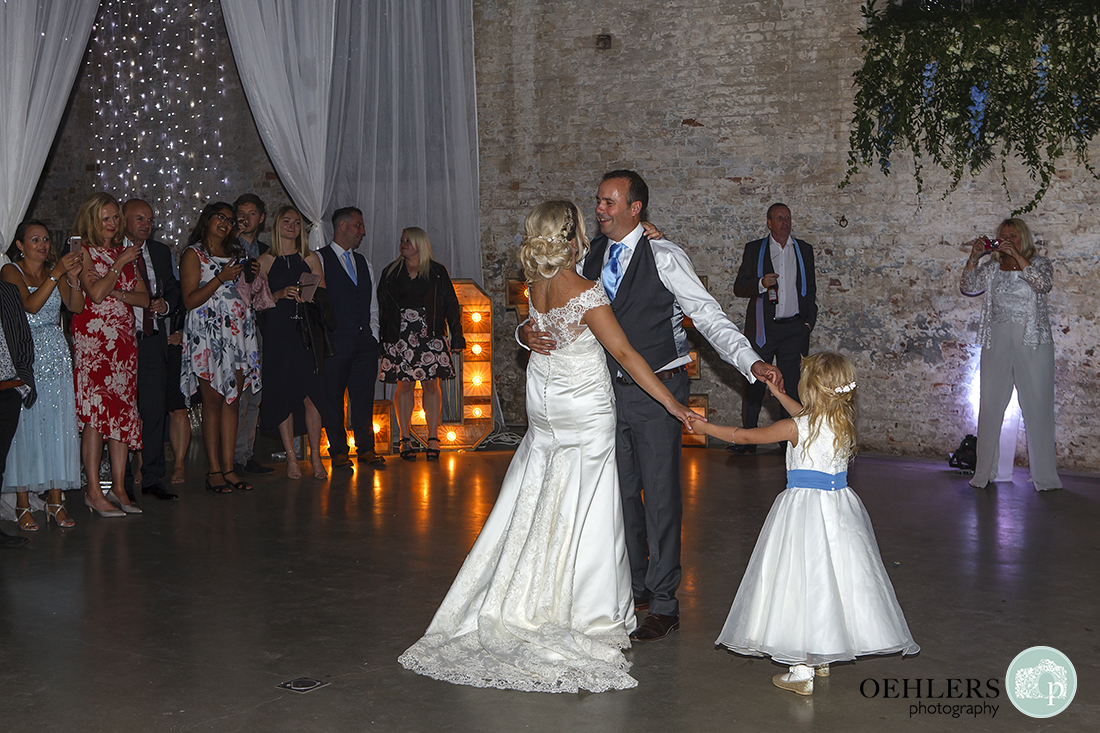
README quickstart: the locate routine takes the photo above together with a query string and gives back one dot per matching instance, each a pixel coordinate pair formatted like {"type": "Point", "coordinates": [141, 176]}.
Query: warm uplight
{"type": "Point", "coordinates": [476, 348]}
{"type": "Point", "coordinates": [423, 415]}
{"type": "Point", "coordinates": [475, 317]}
{"type": "Point", "coordinates": [377, 428]}
{"type": "Point", "coordinates": [477, 412]}
{"type": "Point", "coordinates": [476, 381]}
{"type": "Point", "coordinates": [451, 435]}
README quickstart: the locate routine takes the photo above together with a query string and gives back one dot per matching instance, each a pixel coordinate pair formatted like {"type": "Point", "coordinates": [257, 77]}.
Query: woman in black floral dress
{"type": "Point", "coordinates": [417, 307]}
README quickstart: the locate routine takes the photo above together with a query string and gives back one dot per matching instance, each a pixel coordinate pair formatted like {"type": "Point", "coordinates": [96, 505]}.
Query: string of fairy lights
{"type": "Point", "coordinates": [160, 88]}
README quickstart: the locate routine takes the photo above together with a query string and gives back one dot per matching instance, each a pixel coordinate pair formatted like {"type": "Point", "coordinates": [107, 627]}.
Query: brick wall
{"type": "Point", "coordinates": [725, 107]}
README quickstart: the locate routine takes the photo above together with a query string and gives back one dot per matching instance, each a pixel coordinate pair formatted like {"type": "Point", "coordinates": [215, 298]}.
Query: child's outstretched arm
{"type": "Point", "coordinates": [790, 405]}
{"type": "Point", "coordinates": [774, 433]}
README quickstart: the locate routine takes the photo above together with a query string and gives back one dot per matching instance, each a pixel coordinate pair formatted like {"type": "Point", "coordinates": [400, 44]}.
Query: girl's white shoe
{"type": "Point", "coordinates": [799, 680]}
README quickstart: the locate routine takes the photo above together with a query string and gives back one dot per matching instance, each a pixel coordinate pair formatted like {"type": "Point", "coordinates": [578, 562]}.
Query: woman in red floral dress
{"type": "Point", "coordinates": [105, 351]}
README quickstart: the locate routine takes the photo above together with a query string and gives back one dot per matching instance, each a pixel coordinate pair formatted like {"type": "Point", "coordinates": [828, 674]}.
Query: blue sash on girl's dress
{"type": "Point", "coordinates": [802, 478]}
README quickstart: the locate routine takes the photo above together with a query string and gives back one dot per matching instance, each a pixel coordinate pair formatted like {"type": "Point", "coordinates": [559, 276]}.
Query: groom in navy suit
{"type": "Point", "coordinates": [777, 275]}
{"type": "Point", "coordinates": [354, 369]}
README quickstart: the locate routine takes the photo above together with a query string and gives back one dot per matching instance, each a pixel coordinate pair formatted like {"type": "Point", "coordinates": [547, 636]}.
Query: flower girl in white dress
{"type": "Point", "coordinates": [815, 590]}
{"type": "Point", "coordinates": [543, 601]}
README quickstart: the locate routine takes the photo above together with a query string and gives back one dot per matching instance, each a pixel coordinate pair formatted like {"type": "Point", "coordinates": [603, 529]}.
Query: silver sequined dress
{"type": "Point", "coordinates": [45, 453]}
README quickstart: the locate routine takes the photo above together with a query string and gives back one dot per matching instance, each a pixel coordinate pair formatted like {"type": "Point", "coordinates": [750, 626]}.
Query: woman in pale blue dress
{"type": "Point", "coordinates": [45, 453]}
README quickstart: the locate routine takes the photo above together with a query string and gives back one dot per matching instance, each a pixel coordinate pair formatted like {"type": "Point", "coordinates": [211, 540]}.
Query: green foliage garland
{"type": "Point", "coordinates": [965, 86]}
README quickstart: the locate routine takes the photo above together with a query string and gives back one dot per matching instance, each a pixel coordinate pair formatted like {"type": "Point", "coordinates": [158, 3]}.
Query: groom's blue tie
{"type": "Point", "coordinates": [612, 273]}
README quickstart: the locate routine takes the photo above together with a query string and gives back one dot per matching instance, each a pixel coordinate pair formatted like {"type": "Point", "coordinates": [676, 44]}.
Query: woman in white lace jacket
{"type": "Point", "coordinates": [1017, 349]}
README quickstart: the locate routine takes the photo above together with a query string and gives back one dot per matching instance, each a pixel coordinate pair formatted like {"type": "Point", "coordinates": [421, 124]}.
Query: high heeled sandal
{"type": "Point", "coordinates": [408, 453]}
{"type": "Point", "coordinates": [52, 510]}
{"type": "Point", "coordinates": [241, 485]}
{"type": "Point", "coordinates": [432, 454]}
{"type": "Point", "coordinates": [222, 488]}
{"type": "Point", "coordinates": [30, 525]}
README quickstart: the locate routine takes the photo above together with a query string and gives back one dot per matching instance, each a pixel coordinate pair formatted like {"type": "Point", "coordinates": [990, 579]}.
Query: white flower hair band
{"type": "Point", "coordinates": [845, 388]}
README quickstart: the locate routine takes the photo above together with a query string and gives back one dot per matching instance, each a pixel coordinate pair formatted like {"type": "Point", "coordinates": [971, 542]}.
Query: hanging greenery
{"type": "Point", "coordinates": [969, 83]}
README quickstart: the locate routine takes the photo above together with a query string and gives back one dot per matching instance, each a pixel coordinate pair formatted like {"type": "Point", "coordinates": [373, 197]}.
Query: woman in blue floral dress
{"type": "Point", "coordinates": [221, 356]}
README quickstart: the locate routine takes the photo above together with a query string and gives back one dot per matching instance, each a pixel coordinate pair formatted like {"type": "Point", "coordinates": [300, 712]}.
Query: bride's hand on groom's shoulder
{"type": "Point", "coordinates": [651, 232]}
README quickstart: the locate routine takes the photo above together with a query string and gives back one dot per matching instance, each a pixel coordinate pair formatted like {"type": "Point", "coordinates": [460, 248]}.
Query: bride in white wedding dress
{"type": "Point", "coordinates": [543, 601]}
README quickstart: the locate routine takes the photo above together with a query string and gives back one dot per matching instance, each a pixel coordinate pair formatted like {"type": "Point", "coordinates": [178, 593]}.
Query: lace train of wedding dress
{"type": "Point", "coordinates": [543, 601]}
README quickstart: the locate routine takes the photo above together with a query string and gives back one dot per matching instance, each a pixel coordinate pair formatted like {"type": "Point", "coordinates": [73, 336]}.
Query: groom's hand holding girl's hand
{"type": "Point", "coordinates": [768, 373]}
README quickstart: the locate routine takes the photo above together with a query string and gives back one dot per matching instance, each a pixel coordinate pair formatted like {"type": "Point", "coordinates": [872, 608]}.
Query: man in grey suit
{"type": "Point", "coordinates": [652, 285]}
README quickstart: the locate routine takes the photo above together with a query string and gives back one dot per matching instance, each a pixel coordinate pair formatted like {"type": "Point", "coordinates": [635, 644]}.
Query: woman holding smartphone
{"type": "Point", "coordinates": [45, 453]}
{"type": "Point", "coordinates": [105, 351]}
{"type": "Point", "coordinates": [221, 355]}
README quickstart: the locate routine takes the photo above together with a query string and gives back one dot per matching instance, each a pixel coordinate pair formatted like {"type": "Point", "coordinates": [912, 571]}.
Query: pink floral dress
{"type": "Point", "coordinates": [105, 357]}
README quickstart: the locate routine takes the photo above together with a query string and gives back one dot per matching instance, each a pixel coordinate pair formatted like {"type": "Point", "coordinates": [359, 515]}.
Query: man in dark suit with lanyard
{"type": "Point", "coordinates": [652, 286]}
{"type": "Point", "coordinates": [354, 369]}
{"type": "Point", "coordinates": [16, 377]}
{"type": "Point", "coordinates": [777, 276]}
{"type": "Point", "coordinates": [153, 325]}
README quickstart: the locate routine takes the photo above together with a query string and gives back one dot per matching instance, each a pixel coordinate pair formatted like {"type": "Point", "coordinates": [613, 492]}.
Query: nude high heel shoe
{"type": "Point", "coordinates": [107, 514]}
{"type": "Point", "coordinates": [126, 508]}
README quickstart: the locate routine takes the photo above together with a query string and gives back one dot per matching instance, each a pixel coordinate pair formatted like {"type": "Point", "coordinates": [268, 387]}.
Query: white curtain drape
{"type": "Point", "coordinates": [395, 110]}
{"type": "Point", "coordinates": [284, 50]}
{"type": "Point", "coordinates": [42, 45]}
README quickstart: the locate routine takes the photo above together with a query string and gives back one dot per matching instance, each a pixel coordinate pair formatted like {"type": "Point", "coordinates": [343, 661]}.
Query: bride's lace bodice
{"type": "Point", "coordinates": [564, 322]}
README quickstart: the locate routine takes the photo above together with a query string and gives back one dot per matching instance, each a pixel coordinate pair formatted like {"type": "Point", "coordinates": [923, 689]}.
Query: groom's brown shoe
{"type": "Point", "coordinates": [655, 626]}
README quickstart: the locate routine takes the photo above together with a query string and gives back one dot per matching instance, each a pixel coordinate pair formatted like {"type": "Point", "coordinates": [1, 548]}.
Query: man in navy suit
{"type": "Point", "coordinates": [354, 369]}
{"type": "Point", "coordinates": [777, 276]}
{"type": "Point", "coordinates": [152, 327]}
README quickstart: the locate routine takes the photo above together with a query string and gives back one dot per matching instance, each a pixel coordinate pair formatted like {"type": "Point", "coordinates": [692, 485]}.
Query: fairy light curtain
{"type": "Point", "coordinates": [42, 45]}
{"type": "Point", "coordinates": [157, 115]}
{"type": "Point", "coordinates": [370, 105]}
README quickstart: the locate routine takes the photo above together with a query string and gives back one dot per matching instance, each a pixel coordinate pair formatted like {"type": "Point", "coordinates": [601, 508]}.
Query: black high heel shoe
{"type": "Point", "coordinates": [222, 488]}
{"type": "Point", "coordinates": [408, 453]}
{"type": "Point", "coordinates": [432, 454]}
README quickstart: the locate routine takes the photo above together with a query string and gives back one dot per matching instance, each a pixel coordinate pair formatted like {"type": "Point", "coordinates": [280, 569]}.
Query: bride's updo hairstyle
{"type": "Point", "coordinates": [548, 245]}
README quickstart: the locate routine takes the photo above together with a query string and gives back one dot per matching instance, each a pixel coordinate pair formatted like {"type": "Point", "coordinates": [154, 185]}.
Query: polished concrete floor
{"type": "Point", "coordinates": [188, 617]}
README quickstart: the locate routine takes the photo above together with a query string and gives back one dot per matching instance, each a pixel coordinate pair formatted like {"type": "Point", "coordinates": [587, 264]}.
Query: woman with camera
{"type": "Point", "coordinates": [1017, 348]}
{"type": "Point", "coordinates": [221, 356]}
